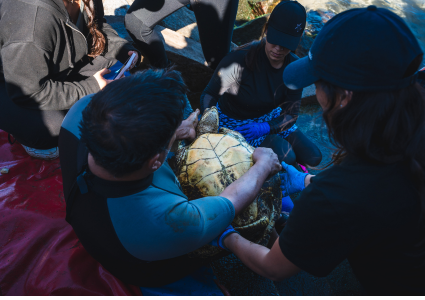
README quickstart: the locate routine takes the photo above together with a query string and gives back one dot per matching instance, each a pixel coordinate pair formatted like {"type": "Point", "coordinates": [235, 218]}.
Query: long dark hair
{"type": "Point", "coordinates": [96, 39]}
{"type": "Point", "coordinates": [385, 127]}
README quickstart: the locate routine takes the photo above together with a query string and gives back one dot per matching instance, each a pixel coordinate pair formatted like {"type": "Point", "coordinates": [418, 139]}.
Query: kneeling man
{"type": "Point", "coordinates": [123, 200]}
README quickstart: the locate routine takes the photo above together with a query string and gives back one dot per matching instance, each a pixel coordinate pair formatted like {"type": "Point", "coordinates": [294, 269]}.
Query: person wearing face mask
{"type": "Point", "coordinates": [251, 97]}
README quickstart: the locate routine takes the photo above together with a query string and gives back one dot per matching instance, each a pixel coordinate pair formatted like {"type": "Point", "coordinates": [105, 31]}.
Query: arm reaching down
{"type": "Point", "coordinates": [270, 263]}
{"type": "Point", "coordinates": [244, 190]}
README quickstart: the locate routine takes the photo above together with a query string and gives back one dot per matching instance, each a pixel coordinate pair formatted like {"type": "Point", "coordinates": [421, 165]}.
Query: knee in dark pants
{"type": "Point", "coordinates": [289, 157]}
{"type": "Point", "coordinates": [136, 27]}
{"type": "Point", "coordinates": [306, 151]}
{"type": "Point", "coordinates": [281, 147]}
{"type": "Point", "coordinates": [315, 158]}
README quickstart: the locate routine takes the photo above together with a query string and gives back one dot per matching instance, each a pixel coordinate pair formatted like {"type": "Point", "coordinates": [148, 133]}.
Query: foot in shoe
{"type": "Point", "coordinates": [46, 154]}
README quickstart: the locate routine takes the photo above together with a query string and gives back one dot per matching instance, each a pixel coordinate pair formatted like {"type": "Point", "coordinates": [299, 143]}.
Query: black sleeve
{"type": "Point", "coordinates": [315, 238]}
{"type": "Point", "coordinates": [228, 72]}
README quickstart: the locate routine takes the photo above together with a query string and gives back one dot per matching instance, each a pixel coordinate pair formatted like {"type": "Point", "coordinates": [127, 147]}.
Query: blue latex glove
{"type": "Point", "coordinates": [287, 204]}
{"type": "Point", "coordinates": [218, 241]}
{"type": "Point", "coordinates": [292, 181]}
{"type": "Point", "coordinates": [253, 130]}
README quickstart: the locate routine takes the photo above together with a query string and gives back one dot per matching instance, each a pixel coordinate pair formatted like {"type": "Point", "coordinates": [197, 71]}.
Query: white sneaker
{"type": "Point", "coordinates": [47, 154]}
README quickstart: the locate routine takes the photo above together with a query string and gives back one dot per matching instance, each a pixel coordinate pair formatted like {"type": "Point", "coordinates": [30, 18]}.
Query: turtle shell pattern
{"type": "Point", "coordinates": [211, 163]}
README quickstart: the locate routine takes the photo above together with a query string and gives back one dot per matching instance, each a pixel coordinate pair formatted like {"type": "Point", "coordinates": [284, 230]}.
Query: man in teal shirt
{"type": "Point", "coordinates": [123, 200]}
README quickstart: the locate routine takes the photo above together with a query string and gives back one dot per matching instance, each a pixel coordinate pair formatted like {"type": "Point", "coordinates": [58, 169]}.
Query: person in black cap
{"type": "Point", "coordinates": [369, 206]}
{"type": "Point", "coordinates": [248, 90]}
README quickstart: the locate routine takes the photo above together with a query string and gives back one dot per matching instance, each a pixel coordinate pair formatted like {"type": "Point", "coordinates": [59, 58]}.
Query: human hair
{"type": "Point", "coordinates": [382, 127]}
{"type": "Point", "coordinates": [133, 119]}
{"type": "Point", "coordinates": [96, 39]}
{"type": "Point", "coordinates": [254, 49]}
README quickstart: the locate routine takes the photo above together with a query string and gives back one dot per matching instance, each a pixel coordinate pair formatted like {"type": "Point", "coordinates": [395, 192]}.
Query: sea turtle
{"type": "Point", "coordinates": [215, 160]}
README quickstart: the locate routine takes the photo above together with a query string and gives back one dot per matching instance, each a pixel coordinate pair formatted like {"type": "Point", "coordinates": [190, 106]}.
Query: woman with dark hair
{"type": "Point", "coordinates": [249, 92]}
{"type": "Point", "coordinates": [215, 20]}
{"type": "Point", "coordinates": [53, 52]}
{"type": "Point", "coordinates": [369, 206]}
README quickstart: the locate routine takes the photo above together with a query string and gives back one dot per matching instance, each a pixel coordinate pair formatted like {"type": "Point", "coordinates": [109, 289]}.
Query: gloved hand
{"type": "Point", "coordinates": [292, 181]}
{"type": "Point", "coordinates": [253, 130]}
{"type": "Point", "coordinates": [218, 241]}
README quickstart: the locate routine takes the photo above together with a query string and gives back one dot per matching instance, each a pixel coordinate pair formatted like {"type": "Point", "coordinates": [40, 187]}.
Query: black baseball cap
{"type": "Point", "coordinates": [286, 24]}
{"type": "Point", "coordinates": [362, 49]}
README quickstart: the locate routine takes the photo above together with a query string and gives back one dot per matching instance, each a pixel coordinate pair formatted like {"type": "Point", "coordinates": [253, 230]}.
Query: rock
{"type": "Point", "coordinates": [190, 31]}
{"type": "Point", "coordinates": [262, 7]}
{"type": "Point", "coordinates": [117, 22]}
{"type": "Point", "coordinates": [305, 44]}
{"type": "Point", "coordinates": [309, 95]}
{"type": "Point", "coordinates": [115, 7]}
{"type": "Point", "coordinates": [316, 19]}
{"type": "Point", "coordinates": [182, 21]}
{"type": "Point", "coordinates": [249, 31]}
{"type": "Point", "coordinates": [179, 44]}
{"type": "Point", "coordinates": [244, 13]}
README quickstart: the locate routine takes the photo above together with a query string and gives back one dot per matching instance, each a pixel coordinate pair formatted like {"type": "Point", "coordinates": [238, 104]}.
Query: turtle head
{"type": "Point", "coordinates": [208, 122]}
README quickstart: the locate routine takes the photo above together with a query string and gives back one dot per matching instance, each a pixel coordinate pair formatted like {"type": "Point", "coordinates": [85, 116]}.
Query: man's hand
{"type": "Point", "coordinates": [268, 159]}
{"type": "Point", "coordinates": [187, 128]}
{"type": "Point", "coordinates": [99, 78]}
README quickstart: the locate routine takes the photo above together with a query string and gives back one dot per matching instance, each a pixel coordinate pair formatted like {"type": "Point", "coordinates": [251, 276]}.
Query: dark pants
{"type": "Point", "coordinates": [295, 148]}
{"type": "Point", "coordinates": [215, 19]}
{"type": "Point", "coordinates": [40, 128]}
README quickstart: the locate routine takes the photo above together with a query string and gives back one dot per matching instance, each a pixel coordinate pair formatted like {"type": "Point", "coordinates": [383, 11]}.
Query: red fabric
{"type": "Point", "coordinates": [39, 252]}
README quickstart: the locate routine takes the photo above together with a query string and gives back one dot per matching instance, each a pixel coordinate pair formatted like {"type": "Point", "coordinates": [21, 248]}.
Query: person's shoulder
{"type": "Point", "coordinates": [72, 119]}
{"type": "Point", "coordinates": [27, 22]}
{"type": "Point", "coordinates": [237, 55]}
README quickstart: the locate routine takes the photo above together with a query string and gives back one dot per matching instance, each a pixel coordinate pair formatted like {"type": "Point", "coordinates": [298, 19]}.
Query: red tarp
{"type": "Point", "coordinates": [39, 252]}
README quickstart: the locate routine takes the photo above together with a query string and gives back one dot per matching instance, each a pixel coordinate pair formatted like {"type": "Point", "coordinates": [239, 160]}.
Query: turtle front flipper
{"type": "Point", "coordinates": [208, 122]}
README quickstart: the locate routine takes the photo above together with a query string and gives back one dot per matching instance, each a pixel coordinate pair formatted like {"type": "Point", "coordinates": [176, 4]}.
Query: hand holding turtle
{"type": "Point", "coordinates": [268, 158]}
{"type": "Point", "coordinates": [292, 181]}
{"type": "Point", "coordinates": [253, 130]}
{"type": "Point", "coordinates": [187, 128]}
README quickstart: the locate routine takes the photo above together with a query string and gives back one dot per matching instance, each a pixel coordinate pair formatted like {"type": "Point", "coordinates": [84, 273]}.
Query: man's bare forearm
{"type": "Point", "coordinates": [244, 190]}
{"type": "Point", "coordinates": [270, 263]}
